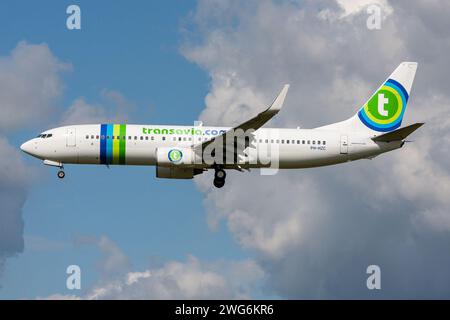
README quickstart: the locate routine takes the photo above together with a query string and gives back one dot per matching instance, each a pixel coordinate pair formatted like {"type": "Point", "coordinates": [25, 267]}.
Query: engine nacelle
{"type": "Point", "coordinates": [176, 163]}
{"type": "Point", "coordinates": [175, 157]}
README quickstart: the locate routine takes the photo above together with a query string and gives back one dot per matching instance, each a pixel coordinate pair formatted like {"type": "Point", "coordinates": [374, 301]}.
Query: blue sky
{"type": "Point", "coordinates": [133, 49]}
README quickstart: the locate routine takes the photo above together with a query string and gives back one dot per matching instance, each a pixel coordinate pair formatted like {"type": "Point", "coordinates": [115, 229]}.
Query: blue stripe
{"type": "Point", "coordinates": [103, 144]}
{"type": "Point", "coordinates": [399, 86]}
{"type": "Point", "coordinates": [109, 144]}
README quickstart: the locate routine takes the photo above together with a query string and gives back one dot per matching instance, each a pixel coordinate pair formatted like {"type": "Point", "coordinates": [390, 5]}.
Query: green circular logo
{"type": "Point", "coordinates": [384, 111]}
{"type": "Point", "coordinates": [383, 105]}
{"type": "Point", "coordinates": [175, 155]}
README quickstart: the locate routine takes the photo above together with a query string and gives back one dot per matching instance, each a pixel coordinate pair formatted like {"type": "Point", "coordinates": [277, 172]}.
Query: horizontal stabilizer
{"type": "Point", "coordinates": [398, 134]}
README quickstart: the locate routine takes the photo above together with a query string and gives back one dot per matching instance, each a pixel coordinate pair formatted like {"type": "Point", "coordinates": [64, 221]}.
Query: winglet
{"type": "Point", "coordinates": [279, 100]}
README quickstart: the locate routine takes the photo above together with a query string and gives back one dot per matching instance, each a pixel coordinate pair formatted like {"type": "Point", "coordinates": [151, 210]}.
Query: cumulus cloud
{"type": "Point", "coordinates": [315, 233]}
{"type": "Point", "coordinates": [356, 6]}
{"type": "Point", "coordinates": [30, 85]}
{"type": "Point", "coordinates": [113, 263]}
{"type": "Point", "coordinates": [190, 279]}
{"type": "Point", "coordinates": [113, 108]}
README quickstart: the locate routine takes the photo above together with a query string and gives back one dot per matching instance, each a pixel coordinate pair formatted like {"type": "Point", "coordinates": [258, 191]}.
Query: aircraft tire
{"type": "Point", "coordinates": [219, 183]}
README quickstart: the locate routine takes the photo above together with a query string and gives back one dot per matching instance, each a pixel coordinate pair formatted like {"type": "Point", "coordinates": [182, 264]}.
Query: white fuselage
{"type": "Point", "coordinates": [138, 145]}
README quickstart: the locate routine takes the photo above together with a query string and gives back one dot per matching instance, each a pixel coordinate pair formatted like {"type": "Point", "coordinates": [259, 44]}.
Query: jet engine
{"type": "Point", "coordinates": [176, 163]}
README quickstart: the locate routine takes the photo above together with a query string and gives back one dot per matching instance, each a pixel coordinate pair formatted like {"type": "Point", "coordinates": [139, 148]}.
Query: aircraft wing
{"type": "Point", "coordinates": [398, 134]}
{"type": "Point", "coordinates": [255, 122]}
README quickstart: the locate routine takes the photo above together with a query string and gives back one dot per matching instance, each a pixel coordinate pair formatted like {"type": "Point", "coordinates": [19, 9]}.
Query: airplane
{"type": "Point", "coordinates": [182, 152]}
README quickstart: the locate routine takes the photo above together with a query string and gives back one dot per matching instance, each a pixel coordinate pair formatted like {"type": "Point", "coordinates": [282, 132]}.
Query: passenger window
{"type": "Point", "coordinates": [174, 138]}
{"type": "Point", "coordinates": [190, 139]}
{"type": "Point", "coordinates": [87, 136]}
{"type": "Point", "coordinates": [303, 141]}
{"type": "Point", "coordinates": [309, 142]}
{"type": "Point", "coordinates": [324, 142]}
{"type": "Point", "coordinates": [163, 138]}
{"type": "Point", "coordinates": [318, 142]}
{"type": "Point", "coordinates": [278, 141]}
{"type": "Point", "coordinates": [314, 142]}
{"type": "Point", "coordinates": [113, 137]}
{"type": "Point", "coordinates": [96, 137]}
{"type": "Point", "coordinates": [103, 137]}
{"type": "Point", "coordinates": [184, 139]}
{"type": "Point", "coordinates": [267, 140]}
{"type": "Point", "coordinates": [271, 141]}
{"type": "Point", "coordinates": [129, 137]}
{"type": "Point", "coordinates": [124, 137]}
{"type": "Point", "coordinates": [298, 141]}
{"type": "Point", "coordinates": [287, 141]}
{"type": "Point", "coordinates": [152, 138]}
{"type": "Point", "coordinates": [135, 137]}
{"type": "Point", "coordinates": [142, 138]}
{"type": "Point", "coordinates": [107, 137]}
{"type": "Point", "coordinates": [179, 138]}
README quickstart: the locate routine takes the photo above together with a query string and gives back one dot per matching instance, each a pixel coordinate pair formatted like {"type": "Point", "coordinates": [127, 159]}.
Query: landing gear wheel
{"type": "Point", "coordinates": [219, 183]}
{"type": "Point", "coordinates": [220, 174]}
{"type": "Point", "coordinates": [219, 178]}
{"type": "Point", "coordinates": [61, 174]}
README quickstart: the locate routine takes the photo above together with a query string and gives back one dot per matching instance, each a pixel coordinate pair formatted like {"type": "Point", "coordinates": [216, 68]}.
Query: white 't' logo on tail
{"type": "Point", "coordinates": [381, 102]}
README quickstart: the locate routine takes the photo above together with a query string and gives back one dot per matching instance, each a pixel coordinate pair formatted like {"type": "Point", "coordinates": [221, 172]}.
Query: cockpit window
{"type": "Point", "coordinates": [44, 136]}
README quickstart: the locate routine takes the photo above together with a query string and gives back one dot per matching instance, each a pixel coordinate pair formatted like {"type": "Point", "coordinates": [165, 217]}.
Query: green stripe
{"type": "Point", "coordinates": [123, 142]}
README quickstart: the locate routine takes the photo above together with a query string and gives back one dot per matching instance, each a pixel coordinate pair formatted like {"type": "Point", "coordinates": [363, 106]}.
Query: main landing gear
{"type": "Point", "coordinates": [219, 177]}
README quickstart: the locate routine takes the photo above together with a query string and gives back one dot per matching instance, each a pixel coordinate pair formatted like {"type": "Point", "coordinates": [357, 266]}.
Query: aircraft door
{"type": "Point", "coordinates": [344, 144]}
{"type": "Point", "coordinates": [71, 137]}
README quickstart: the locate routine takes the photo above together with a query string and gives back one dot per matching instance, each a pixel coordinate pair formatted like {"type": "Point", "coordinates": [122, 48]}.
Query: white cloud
{"type": "Point", "coordinates": [114, 108]}
{"type": "Point", "coordinates": [191, 279]}
{"type": "Point", "coordinates": [30, 86]}
{"type": "Point", "coordinates": [351, 7]}
{"type": "Point", "coordinates": [113, 263]}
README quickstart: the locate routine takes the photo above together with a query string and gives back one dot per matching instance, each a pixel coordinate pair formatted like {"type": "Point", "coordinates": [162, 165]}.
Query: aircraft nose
{"type": "Point", "coordinates": [26, 147]}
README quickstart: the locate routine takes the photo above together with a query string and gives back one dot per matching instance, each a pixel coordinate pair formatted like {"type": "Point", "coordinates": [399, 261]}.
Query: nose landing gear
{"type": "Point", "coordinates": [219, 177]}
{"type": "Point", "coordinates": [61, 174]}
